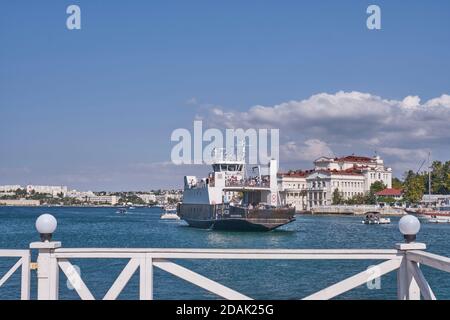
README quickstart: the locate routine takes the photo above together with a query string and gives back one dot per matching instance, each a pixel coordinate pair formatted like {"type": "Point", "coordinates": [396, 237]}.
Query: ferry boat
{"type": "Point", "coordinates": [229, 199]}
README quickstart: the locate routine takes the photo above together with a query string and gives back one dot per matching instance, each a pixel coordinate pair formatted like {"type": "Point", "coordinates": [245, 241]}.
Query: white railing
{"type": "Point", "coordinates": [24, 264]}
{"type": "Point", "coordinates": [411, 283]}
{"type": "Point", "coordinates": [406, 258]}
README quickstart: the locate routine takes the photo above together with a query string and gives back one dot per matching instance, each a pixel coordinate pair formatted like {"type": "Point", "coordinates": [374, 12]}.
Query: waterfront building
{"type": "Point", "coordinates": [9, 188]}
{"type": "Point", "coordinates": [165, 198]}
{"type": "Point", "coordinates": [372, 168]}
{"type": "Point", "coordinates": [80, 195]}
{"type": "Point", "coordinates": [147, 198]}
{"type": "Point", "coordinates": [53, 190]}
{"type": "Point", "coordinates": [396, 194]}
{"type": "Point", "coordinates": [6, 194]}
{"type": "Point", "coordinates": [292, 188]}
{"type": "Point", "coordinates": [108, 200]}
{"type": "Point", "coordinates": [321, 185]}
{"type": "Point", "coordinates": [351, 175]}
{"type": "Point", "coordinates": [20, 203]}
{"type": "Point", "coordinates": [436, 199]}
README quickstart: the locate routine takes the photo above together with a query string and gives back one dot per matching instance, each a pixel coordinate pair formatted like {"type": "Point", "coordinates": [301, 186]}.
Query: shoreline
{"type": "Point", "coordinates": [300, 213]}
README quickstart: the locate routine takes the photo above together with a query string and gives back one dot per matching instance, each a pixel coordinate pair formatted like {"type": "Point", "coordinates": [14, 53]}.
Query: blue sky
{"type": "Point", "coordinates": [94, 108]}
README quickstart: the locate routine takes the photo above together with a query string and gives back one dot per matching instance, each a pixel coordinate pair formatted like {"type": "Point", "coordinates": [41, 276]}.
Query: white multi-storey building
{"type": "Point", "coordinates": [80, 195]}
{"type": "Point", "coordinates": [147, 198]}
{"type": "Point", "coordinates": [109, 200]}
{"type": "Point", "coordinates": [9, 188]}
{"type": "Point", "coordinates": [321, 185]}
{"type": "Point", "coordinates": [351, 175]}
{"type": "Point", "coordinates": [53, 190]}
{"type": "Point", "coordinates": [292, 188]}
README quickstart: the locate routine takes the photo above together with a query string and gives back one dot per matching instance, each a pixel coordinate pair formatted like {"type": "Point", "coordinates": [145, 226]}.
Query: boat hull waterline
{"type": "Point", "coordinates": [236, 219]}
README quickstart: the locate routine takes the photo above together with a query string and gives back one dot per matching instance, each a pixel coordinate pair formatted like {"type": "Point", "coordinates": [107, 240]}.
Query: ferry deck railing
{"type": "Point", "coordinates": [405, 259]}
{"type": "Point", "coordinates": [247, 184]}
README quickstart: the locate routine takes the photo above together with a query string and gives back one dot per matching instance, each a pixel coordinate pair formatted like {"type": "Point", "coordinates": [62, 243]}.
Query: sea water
{"type": "Point", "coordinates": [259, 279]}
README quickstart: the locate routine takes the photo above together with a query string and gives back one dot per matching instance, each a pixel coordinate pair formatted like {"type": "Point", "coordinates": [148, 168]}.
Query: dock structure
{"type": "Point", "coordinates": [356, 210]}
{"type": "Point", "coordinates": [404, 258]}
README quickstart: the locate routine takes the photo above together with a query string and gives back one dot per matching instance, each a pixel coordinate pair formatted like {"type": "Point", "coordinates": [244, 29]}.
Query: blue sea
{"type": "Point", "coordinates": [259, 279]}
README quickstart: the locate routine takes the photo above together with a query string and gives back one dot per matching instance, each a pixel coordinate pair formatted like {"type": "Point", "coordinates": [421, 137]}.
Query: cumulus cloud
{"type": "Point", "coordinates": [349, 122]}
{"type": "Point", "coordinates": [306, 151]}
{"type": "Point", "coordinates": [411, 101]}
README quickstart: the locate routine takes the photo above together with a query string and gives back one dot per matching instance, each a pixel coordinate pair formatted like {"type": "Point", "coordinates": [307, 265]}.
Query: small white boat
{"type": "Point", "coordinates": [375, 218]}
{"type": "Point", "coordinates": [436, 218]}
{"type": "Point", "coordinates": [169, 215]}
{"type": "Point", "coordinates": [121, 211]}
{"type": "Point", "coordinates": [439, 220]}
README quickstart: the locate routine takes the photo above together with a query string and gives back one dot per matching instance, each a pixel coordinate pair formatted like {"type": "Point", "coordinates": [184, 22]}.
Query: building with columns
{"type": "Point", "coordinates": [292, 188]}
{"type": "Point", "coordinates": [351, 175]}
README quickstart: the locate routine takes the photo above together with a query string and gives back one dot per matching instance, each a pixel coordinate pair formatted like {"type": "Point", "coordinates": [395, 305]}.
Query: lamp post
{"type": "Point", "coordinates": [409, 226]}
{"type": "Point", "coordinates": [407, 286]}
{"type": "Point", "coordinates": [46, 224]}
{"type": "Point", "coordinates": [47, 271]}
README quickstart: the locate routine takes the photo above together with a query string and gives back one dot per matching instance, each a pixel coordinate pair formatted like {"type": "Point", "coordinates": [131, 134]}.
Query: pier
{"type": "Point", "coordinates": [356, 210]}
{"type": "Point", "coordinates": [403, 258]}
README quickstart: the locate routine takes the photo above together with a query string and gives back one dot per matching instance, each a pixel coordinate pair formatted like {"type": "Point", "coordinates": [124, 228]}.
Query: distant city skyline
{"type": "Point", "coordinates": [94, 108]}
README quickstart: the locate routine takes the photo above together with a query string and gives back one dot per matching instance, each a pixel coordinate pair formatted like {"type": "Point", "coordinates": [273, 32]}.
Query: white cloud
{"type": "Point", "coordinates": [411, 101]}
{"type": "Point", "coordinates": [192, 101]}
{"type": "Point", "coordinates": [349, 122]}
{"type": "Point", "coordinates": [306, 151]}
{"type": "Point", "coordinates": [443, 100]}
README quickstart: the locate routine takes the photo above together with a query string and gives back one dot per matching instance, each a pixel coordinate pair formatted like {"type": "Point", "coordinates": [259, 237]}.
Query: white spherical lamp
{"type": "Point", "coordinates": [409, 226]}
{"type": "Point", "coordinates": [46, 225]}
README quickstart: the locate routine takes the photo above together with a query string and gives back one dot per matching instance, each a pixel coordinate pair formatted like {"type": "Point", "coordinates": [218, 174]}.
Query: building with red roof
{"type": "Point", "coordinates": [352, 175]}
{"type": "Point", "coordinates": [391, 193]}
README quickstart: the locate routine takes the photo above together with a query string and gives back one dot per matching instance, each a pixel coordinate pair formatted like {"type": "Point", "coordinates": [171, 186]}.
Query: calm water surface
{"type": "Point", "coordinates": [142, 228]}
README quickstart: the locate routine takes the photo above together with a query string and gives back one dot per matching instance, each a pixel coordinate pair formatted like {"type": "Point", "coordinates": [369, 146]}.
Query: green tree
{"type": "Point", "coordinates": [371, 198]}
{"type": "Point", "coordinates": [357, 199]}
{"type": "Point", "coordinates": [414, 188]}
{"type": "Point", "coordinates": [447, 183]}
{"type": "Point", "coordinates": [386, 199]}
{"type": "Point", "coordinates": [21, 193]}
{"type": "Point", "coordinates": [337, 197]}
{"type": "Point", "coordinates": [439, 177]}
{"type": "Point", "coordinates": [397, 183]}
{"type": "Point", "coordinates": [377, 186]}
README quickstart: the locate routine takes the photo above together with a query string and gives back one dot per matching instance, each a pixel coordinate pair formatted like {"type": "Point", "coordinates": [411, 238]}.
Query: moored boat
{"type": "Point", "coordinates": [170, 216]}
{"type": "Point", "coordinates": [122, 211]}
{"type": "Point", "coordinates": [434, 216]}
{"type": "Point", "coordinates": [375, 218]}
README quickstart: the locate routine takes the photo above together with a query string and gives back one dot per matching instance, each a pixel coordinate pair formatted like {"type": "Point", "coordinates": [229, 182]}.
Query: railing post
{"type": "Point", "coordinates": [25, 282]}
{"type": "Point", "coordinates": [407, 287]}
{"type": "Point", "coordinates": [48, 270]}
{"type": "Point", "coordinates": [146, 278]}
